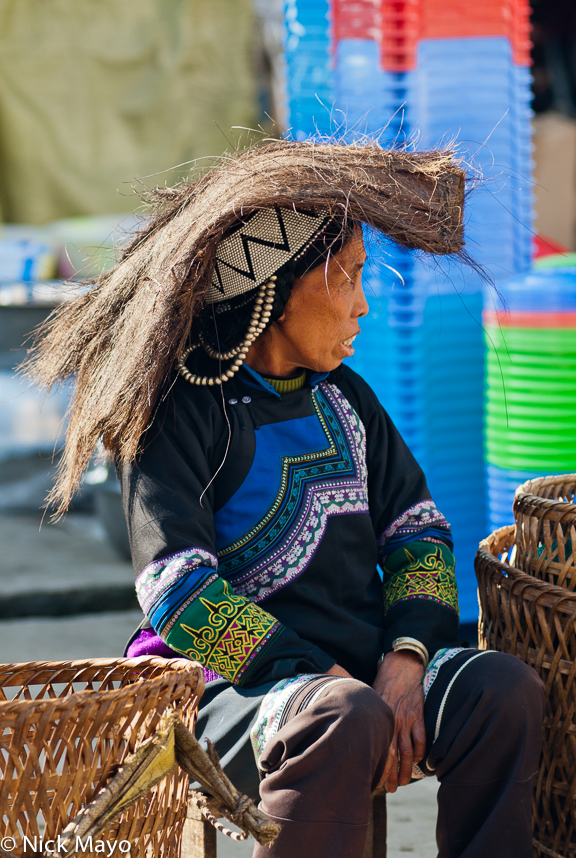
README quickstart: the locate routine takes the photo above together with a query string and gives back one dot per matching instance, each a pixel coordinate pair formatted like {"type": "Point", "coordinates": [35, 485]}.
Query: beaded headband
{"type": "Point", "coordinates": [248, 259]}
{"type": "Point", "coordinates": [258, 248]}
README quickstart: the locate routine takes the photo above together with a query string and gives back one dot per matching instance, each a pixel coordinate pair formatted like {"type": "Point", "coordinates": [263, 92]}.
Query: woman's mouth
{"type": "Point", "coordinates": [347, 345]}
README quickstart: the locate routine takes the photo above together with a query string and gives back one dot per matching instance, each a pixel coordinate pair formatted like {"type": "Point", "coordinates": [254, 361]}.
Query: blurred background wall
{"type": "Point", "coordinates": [96, 93]}
{"type": "Point", "coordinates": [99, 100]}
{"type": "Point", "coordinates": [554, 104]}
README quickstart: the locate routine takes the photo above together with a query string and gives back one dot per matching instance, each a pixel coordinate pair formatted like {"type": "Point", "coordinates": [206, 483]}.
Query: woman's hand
{"type": "Point", "coordinates": [399, 684]}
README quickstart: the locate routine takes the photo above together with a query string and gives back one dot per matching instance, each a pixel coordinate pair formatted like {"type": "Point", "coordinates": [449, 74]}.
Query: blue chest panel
{"type": "Point", "coordinates": [304, 471]}
{"type": "Point", "coordinates": [275, 443]}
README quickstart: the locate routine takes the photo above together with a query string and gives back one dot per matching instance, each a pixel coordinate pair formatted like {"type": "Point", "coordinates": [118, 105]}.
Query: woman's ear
{"type": "Point", "coordinates": [285, 312]}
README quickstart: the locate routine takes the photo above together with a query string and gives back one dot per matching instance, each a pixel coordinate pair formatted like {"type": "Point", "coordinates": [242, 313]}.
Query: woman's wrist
{"type": "Point", "coordinates": [399, 657]}
{"type": "Point", "coordinates": [407, 644]}
{"type": "Point", "coordinates": [399, 669]}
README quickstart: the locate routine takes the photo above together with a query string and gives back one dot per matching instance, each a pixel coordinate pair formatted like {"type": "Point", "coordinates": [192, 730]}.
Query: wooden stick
{"type": "Point", "coordinates": [171, 744]}
{"type": "Point", "coordinates": [204, 766]}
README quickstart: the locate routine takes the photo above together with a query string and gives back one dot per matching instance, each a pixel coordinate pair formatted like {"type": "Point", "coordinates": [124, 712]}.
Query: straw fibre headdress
{"type": "Point", "coordinates": [218, 241]}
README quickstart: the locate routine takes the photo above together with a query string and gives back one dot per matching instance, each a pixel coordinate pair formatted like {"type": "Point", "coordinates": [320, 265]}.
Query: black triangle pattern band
{"type": "Point", "coordinates": [260, 247]}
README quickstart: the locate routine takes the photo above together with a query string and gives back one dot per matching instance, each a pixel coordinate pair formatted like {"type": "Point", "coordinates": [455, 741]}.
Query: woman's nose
{"type": "Point", "coordinates": [362, 305]}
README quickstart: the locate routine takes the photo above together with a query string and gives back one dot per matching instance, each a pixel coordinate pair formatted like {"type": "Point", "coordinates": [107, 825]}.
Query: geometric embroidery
{"type": "Point", "coordinates": [423, 519]}
{"type": "Point", "coordinates": [271, 709]}
{"type": "Point", "coordinates": [224, 632]}
{"type": "Point", "coordinates": [264, 242]}
{"type": "Point", "coordinates": [441, 657]}
{"type": "Point", "coordinates": [421, 572]}
{"type": "Point", "coordinates": [286, 699]}
{"type": "Point", "coordinates": [313, 487]}
{"type": "Point", "coordinates": [159, 577]}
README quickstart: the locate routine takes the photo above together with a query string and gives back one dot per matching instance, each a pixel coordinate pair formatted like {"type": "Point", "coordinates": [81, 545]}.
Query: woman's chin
{"type": "Point", "coordinates": [344, 351]}
{"type": "Point", "coordinates": [333, 363]}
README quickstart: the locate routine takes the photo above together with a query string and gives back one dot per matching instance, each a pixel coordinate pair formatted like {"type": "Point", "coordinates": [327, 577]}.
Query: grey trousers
{"type": "Point", "coordinates": [483, 718]}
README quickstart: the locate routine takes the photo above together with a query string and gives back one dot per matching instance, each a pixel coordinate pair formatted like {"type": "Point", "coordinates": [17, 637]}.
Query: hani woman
{"type": "Point", "coordinates": [263, 484]}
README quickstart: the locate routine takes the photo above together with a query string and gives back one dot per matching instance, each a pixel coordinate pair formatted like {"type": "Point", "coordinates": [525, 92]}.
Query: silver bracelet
{"type": "Point", "coordinates": [414, 645]}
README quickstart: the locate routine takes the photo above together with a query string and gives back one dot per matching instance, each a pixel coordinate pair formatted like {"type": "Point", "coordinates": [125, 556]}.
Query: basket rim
{"type": "Point", "coordinates": [517, 576]}
{"type": "Point", "coordinates": [182, 667]}
{"type": "Point", "coordinates": [155, 660]}
{"type": "Point", "coordinates": [526, 493]}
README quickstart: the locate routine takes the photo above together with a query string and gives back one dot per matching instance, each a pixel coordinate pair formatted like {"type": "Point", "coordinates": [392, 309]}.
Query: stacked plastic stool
{"type": "Point", "coordinates": [309, 73]}
{"type": "Point", "coordinates": [423, 74]}
{"type": "Point", "coordinates": [531, 409]}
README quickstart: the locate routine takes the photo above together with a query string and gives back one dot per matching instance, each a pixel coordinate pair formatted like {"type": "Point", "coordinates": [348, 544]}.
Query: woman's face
{"type": "Point", "coordinates": [320, 322]}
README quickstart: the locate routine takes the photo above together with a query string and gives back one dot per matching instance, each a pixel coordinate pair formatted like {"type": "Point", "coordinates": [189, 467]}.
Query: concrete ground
{"type": "Point", "coordinates": [71, 553]}
{"type": "Point", "coordinates": [76, 553]}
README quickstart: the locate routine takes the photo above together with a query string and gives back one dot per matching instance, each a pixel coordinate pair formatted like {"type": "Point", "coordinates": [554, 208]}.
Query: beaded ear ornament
{"type": "Point", "coordinates": [258, 322]}
{"type": "Point", "coordinates": [261, 245]}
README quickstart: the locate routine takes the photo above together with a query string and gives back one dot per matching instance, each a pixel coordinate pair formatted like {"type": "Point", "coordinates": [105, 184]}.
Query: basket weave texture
{"type": "Point", "coordinates": [535, 621]}
{"type": "Point", "coordinates": [66, 727]}
{"type": "Point", "coordinates": [545, 515]}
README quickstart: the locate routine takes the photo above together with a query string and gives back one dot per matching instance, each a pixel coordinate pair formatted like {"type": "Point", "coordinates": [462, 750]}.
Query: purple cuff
{"type": "Point", "coordinates": [147, 642]}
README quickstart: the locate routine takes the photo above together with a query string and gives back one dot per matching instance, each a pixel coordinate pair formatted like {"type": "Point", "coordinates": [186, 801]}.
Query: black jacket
{"type": "Point", "coordinates": [256, 529]}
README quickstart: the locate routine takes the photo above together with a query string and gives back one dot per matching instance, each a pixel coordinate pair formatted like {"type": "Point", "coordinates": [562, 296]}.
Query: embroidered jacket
{"type": "Point", "coordinates": [256, 532]}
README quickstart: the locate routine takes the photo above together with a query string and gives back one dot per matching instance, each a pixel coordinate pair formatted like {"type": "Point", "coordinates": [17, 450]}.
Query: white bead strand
{"type": "Point", "coordinates": [259, 319]}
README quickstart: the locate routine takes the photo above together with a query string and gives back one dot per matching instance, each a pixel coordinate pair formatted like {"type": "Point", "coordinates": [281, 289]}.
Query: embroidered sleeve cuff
{"type": "Point", "coordinates": [196, 613]}
{"type": "Point", "coordinates": [421, 570]}
{"type": "Point", "coordinates": [420, 595]}
{"type": "Point", "coordinates": [224, 632]}
{"type": "Point", "coordinates": [423, 522]}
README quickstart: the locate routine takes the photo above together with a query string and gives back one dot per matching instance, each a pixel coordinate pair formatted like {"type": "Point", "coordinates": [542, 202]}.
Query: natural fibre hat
{"type": "Point", "coordinates": [257, 264]}
{"type": "Point", "coordinates": [122, 338]}
{"type": "Point", "coordinates": [415, 198]}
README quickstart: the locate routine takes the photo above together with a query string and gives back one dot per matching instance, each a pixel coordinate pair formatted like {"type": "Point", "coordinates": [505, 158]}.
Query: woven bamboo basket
{"type": "Point", "coordinates": [545, 515]}
{"type": "Point", "coordinates": [66, 727]}
{"type": "Point", "coordinates": [536, 621]}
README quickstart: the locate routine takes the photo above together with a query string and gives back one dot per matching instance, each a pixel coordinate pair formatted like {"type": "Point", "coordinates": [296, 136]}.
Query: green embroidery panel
{"type": "Point", "coordinates": [222, 631]}
{"type": "Point", "coordinates": [421, 570]}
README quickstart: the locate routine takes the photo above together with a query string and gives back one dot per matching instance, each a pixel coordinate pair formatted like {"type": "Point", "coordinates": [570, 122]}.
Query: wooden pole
{"type": "Point", "coordinates": [376, 840]}
{"type": "Point", "coordinates": [198, 836]}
